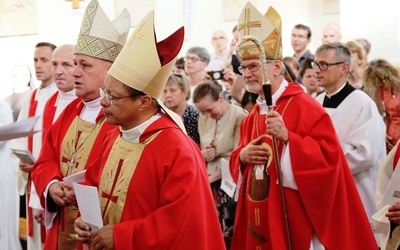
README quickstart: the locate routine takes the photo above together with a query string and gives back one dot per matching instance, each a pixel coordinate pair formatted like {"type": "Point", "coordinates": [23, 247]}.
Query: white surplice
{"type": "Point", "coordinates": [9, 198]}
{"type": "Point", "coordinates": [361, 132]}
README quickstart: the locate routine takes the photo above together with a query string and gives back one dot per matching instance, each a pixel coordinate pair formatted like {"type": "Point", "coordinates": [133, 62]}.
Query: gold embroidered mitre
{"type": "Point", "coordinates": [266, 28]}
{"type": "Point", "coordinates": [145, 64]}
{"type": "Point", "coordinates": [99, 37]}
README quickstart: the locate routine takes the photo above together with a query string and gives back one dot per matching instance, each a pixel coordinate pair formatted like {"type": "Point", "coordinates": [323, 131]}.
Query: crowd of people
{"type": "Point", "coordinates": [241, 148]}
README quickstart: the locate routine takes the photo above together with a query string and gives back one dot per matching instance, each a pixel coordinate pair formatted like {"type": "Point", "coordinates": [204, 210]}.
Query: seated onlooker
{"type": "Point", "coordinates": [175, 95]}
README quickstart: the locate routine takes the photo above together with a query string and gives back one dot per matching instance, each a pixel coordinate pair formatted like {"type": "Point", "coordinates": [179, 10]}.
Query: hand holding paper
{"type": "Point", "coordinates": [89, 205]}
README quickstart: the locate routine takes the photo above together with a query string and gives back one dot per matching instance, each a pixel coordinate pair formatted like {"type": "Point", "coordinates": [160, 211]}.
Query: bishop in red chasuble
{"type": "Point", "coordinates": [323, 207]}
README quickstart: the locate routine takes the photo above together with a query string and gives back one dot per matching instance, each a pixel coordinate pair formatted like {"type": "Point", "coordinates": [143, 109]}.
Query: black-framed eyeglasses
{"type": "Point", "coordinates": [177, 75]}
{"type": "Point", "coordinates": [109, 98]}
{"type": "Point", "coordinates": [323, 65]}
{"type": "Point", "coordinates": [192, 59]}
{"type": "Point", "coordinates": [253, 67]}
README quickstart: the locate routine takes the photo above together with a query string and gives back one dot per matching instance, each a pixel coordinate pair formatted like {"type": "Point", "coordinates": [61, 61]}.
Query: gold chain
{"type": "Point", "coordinates": [71, 164]}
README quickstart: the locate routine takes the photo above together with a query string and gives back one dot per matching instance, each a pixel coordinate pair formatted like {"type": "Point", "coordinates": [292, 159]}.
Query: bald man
{"type": "Point", "coordinates": [331, 33]}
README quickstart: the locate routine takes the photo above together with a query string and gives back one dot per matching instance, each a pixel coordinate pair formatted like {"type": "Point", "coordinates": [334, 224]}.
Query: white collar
{"type": "Point", "coordinates": [133, 134]}
{"type": "Point", "coordinates": [275, 97]}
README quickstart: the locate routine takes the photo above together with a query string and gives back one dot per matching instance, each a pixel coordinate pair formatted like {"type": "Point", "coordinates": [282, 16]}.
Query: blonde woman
{"type": "Point", "coordinates": [385, 77]}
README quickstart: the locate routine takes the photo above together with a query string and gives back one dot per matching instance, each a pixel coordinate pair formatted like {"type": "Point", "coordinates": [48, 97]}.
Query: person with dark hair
{"type": "Point", "coordinates": [219, 124]}
{"type": "Point", "coordinates": [308, 78]}
{"type": "Point", "coordinates": [358, 124]}
{"type": "Point", "coordinates": [73, 140]}
{"type": "Point", "coordinates": [34, 106]}
{"type": "Point", "coordinates": [301, 39]}
{"type": "Point", "coordinates": [151, 177]}
{"type": "Point", "coordinates": [249, 100]}
{"type": "Point", "coordinates": [179, 67]}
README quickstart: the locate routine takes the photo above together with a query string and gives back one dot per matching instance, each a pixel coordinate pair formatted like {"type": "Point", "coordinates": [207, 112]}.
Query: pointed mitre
{"type": "Point", "coordinates": [99, 37]}
{"type": "Point", "coordinates": [144, 64]}
{"type": "Point", "coordinates": [266, 28]}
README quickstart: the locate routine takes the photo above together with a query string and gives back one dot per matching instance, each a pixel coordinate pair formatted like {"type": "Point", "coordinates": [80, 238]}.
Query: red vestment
{"type": "Point", "coordinates": [326, 203]}
{"type": "Point", "coordinates": [49, 112]}
{"type": "Point", "coordinates": [161, 201]}
{"type": "Point", "coordinates": [47, 166]}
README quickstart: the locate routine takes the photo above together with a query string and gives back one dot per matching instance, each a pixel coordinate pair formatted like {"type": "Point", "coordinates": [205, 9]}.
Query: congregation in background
{"type": "Point", "coordinates": [241, 147]}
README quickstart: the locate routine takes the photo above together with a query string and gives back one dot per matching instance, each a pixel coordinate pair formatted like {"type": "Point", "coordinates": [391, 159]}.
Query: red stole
{"type": "Point", "coordinates": [31, 113]}
{"type": "Point", "coordinates": [48, 113]}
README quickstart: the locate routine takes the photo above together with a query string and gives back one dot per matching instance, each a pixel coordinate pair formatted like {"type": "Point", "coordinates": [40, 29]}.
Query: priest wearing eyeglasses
{"type": "Point", "coordinates": [357, 121]}
{"type": "Point", "coordinates": [152, 180]}
{"type": "Point", "coordinates": [295, 187]}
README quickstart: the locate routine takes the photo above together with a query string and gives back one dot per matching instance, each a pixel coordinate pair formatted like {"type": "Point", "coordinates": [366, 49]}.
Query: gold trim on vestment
{"type": "Point", "coordinates": [87, 132]}
{"type": "Point", "coordinates": [116, 176]}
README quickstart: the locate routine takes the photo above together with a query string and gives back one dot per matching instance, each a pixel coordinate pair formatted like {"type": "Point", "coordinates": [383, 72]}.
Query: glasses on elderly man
{"type": "Point", "coordinates": [192, 59]}
{"type": "Point", "coordinates": [323, 65]}
{"type": "Point", "coordinates": [111, 99]}
{"type": "Point", "coordinates": [253, 67]}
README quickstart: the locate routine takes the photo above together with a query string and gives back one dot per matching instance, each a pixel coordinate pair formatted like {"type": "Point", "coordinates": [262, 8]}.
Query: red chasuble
{"type": "Point", "coordinates": [47, 166]}
{"type": "Point", "coordinates": [326, 204]}
{"type": "Point", "coordinates": [156, 192]}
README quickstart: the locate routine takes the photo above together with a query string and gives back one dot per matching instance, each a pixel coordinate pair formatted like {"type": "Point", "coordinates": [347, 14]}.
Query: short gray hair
{"type": "Point", "coordinates": [342, 51]}
{"type": "Point", "coordinates": [201, 52]}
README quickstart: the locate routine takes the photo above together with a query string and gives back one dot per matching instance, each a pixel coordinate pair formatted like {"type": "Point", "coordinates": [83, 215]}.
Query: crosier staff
{"type": "Point", "coordinates": [266, 85]}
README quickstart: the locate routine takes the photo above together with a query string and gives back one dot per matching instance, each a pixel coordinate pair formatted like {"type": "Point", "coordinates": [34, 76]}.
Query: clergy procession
{"type": "Point", "coordinates": [138, 147]}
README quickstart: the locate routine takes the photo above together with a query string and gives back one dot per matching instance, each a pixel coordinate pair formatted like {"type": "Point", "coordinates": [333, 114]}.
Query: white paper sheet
{"type": "Point", "coordinates": [24, 155]}
{"type": "Point", "coordinates": [77, 177]}
{"type": "Point", "coordinates": [18, 129]}
{"type": "Point", "coordinates": [392, 193]}
{"type": "Point", "coordinates": [89, 205]}
{"type": "Point", "coordinates": [227, 184]}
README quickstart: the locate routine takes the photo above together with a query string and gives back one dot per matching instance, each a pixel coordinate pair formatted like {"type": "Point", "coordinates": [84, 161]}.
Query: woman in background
{"type": "Point", "coordinates": [175, 95]}
{"type": "Point", "coordinates": [385, 77]}
{"type": "Point", "coordinates": [219, 124]}
{"type": "Point", "coordinates": [308, 79]}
